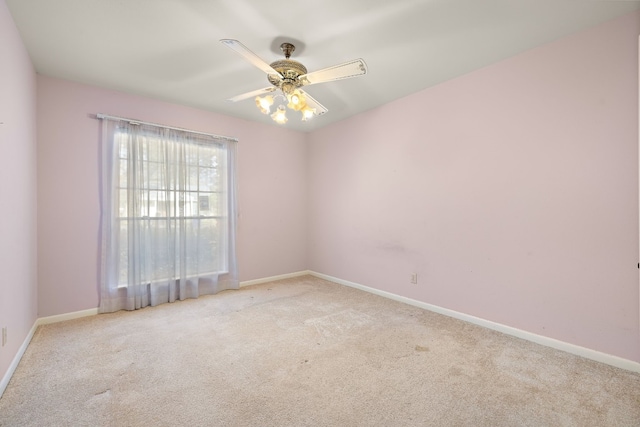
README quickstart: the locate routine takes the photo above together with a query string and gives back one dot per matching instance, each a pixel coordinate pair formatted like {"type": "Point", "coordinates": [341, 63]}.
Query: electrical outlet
{"type": "Point", "coordinates": [4, 336]}
{"type": "Point", "coordinates": [414, 278]}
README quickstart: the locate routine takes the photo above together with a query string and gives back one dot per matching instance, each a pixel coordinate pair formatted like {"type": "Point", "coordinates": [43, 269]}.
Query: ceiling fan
{"type": "Point", "coordinates": [289, 77]}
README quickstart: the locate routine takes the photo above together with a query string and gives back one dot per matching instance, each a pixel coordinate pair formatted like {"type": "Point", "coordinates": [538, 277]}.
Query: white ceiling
{"type": "Point", "coordinates": [168, 49]}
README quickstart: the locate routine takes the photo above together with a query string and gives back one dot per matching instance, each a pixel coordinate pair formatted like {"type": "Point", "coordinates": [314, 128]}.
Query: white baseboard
{"type": "Point", "coordinates": [273, 278]}
{"type": "Point", "coordinates": [67, 316]}
{"type": "Point", "coordinates": [16, 360]}
{"type": "Point", "coordinates": [587, 353]}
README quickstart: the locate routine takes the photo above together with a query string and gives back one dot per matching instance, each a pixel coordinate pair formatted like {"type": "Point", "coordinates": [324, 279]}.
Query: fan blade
{"type": "Point", "coordinates": [243, 51]}
{"type": "Point", "coordinates": [252, 94]}
{"type": "Point", "coordinates": [311, 102]}
{"type": "Point", "coordinates": [337, 72]}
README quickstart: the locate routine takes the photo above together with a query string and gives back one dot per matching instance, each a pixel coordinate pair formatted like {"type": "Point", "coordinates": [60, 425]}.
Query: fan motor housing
{"type": "Point", "coordinates": [289, 69]}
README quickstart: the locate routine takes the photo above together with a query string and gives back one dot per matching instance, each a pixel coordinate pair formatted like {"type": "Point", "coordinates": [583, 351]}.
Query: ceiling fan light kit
{"type": "Point", "coordinates": [289, 77]}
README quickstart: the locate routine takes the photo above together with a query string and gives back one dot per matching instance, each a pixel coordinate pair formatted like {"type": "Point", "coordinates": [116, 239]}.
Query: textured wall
{"type": "Point", "coordinates": [271, 181]}
{"type": "Point", "coordinates": [18, 287]}
{"type": "Point", "coordinates": [511, 191]}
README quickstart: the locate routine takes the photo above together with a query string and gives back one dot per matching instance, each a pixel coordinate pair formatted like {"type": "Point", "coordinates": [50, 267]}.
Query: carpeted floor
{"type": "Point", "coordinates": [304, 352]}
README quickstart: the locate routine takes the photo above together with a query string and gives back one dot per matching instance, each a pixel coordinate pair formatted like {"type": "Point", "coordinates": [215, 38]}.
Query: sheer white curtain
{"type": "Point", "coordinates": [168, 215]}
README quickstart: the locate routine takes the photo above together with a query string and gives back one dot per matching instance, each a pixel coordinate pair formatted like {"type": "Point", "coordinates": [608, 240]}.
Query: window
{"type": "Point", "coordinates": [178, 193]}
{"type": "Point", "coordinates": [171, 214]}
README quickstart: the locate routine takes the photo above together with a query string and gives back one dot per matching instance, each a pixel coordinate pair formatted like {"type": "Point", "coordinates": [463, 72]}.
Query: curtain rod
{"type": "Point", "coordinates": [138, 122]}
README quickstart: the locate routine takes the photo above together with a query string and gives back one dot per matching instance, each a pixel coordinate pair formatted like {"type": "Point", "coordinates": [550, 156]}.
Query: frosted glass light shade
{"type": "Point", "coordinates": [280, 115]}
{"type": "Point", "coordinates": [296, 100]}
{"type": "Point", "coordinates": [264, 103]}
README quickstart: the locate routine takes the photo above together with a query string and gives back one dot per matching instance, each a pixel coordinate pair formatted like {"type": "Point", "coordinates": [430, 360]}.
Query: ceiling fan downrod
{"type": "Point", "coordinates": [287, 49]}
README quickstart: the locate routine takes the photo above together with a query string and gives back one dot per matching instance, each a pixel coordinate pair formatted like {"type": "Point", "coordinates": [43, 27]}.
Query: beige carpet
{"type": "Point", "coordinates": [304, 352]}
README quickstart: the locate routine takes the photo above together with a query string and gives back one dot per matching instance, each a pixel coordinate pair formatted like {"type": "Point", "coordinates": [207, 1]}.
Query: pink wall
{"type": "Point", "coordinates": [271, 180]}
{"type": "Point", "coordinates": [511, 191]}
{"type": "Point", "coordinates": [18, 287]}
